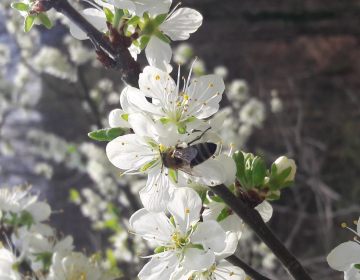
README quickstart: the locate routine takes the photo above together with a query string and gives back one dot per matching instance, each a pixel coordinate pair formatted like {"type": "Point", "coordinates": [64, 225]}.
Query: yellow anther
{"type": "Point", "coordinates": [179, 63]}
{"type": "Point", "coordinates": [343, 225]}
{"type": "Point", "coordinates": [122, 143]}
{"type": "Point", "coordinates": [157, 77]}
{"type": "Point", "coordinates": [212, 183]}
{"type": "Point", "coordinates": [148, 88]}
{"type": "Point", "coordinates": [186, 97]}
{"type": "Point", "coordinates": [172, 156]}
{"type": "Point", "coordinates": [213, 268]}
{"type": "Point", "coordinates": [243, 225]}
{"type": "Point", "coordinates": [232, 273]}
{"type": "Point", "coordinates": [355, 222]}
{"type": "Point", "coordinates": [168, 79]}
{"type": "Point", "coordinates": [129, 231]}
{"type": "Point", "coordinates": [121, 174]}
{"type": "Point", "coordinates": [195, 81]}
{"type": "Point", "coordinates": [187, 211]}
{"type": "Point", "coordinates": [213, 157]}
{"type": "Point", "coordinates": [196, 57]}
{"type": "Point", "coordinates": [195, 99]}
{"type": "Point", "coordinates": [174, 237]}
{"type": "Point", "coordinates": [155, 184]}
{"type": "Point", "coordinates": [218, 93]}
{"type": "Point", "coordinates": [247, 278]}
{"type": "Point", "coordinates": [211, 85]}
{"type": "Point", "coordinates": [161, 147]}
{"type": "Point", "coordinates": [138, 255]}
{"type": "Point", "coordinates": [136, 155]}
{"type": "Point", "coordinates": [204, 103]}
{"type": "Point", "coordinates": [82, 277]}
{"type": "Point", "coordinates": [166, 266]}
{"type": "Point", "coordinates": [183, 77]}
{"type": "Point", "coordinates": [154, 237]}
{"type": "Point", "coordinates": [180, 3]}
{"type": "Point", "coordinates": [232, 145]}
{"type": "Point", "coordinates": [1, 244]}
{"type": "Point", "coordinates": [156, 228]}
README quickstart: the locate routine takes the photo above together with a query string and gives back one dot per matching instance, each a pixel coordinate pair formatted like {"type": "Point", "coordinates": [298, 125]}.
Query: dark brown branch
{"type": "Point", "coordinates": [252, 218]}
{"type": "Point", "coordinates": [247, 269]}
{"type": "Point", "coordinates": [125, 63]}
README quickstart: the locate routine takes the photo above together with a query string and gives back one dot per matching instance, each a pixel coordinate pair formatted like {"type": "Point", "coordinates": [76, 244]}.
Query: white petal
{"type": "Point", "coordinates": [210, 235]}
{"type": "Point", "coordinates": [65, 245]}
{"type": "Point", "coordinates": [358, 227]}
{"type": "Point", "coordinates": [123, 4]}
{"type": "Point", "coordinates": [159, 269]}
{"type": "Point", "coordinates": [233, 223]}
{"type": "Point", "coordinates": [231, 244]}
{"type": "Point", "coordinates": [138, 103]}
{"type": "Point", "coordinates": [182, 201]}
{"type": "Point", "coordinates": [95, 17]}
{"type": "Point", "coordinates": [158, 53]}
{"type": "Point", "coordinates": [196, 259]}
{"type": "Point", "coordinates": [213, 210]}
{"type": "Point", "coordinates": [40, 211]}
{"type": "Point", "coordinates": [181, 274]}
{"type": "Point", "coordinates": [129, 152]}
{"type": "Point", "coordinates": [142, 125]}
{"type": "Point", "coordinates": [352, 274]}
{"type": "Point", "coordinates": [344, 256]}
{"type": "Point", "coordinates": [229, 166]}
{"type": "Point", "coordinates": [115, 119]}
{"type": "Point", "coordinates": [265, 210]}
{"type": "Point", "coordinates": [155, 195]}
{"type": "Point", "coordinates": [225, 270]}
{"type": "Point", "coordinates": [154, 7]}
{"type": "Point", "coordinates": [152, 82]}
{"type": "Point", "coordinates": [203, 92]}
{"type": "Point", "coordinates": [150, 225]}
{"type": "Point", "coordinates": [212, 173]}
{"type": "Point", "coordinates": [181, 23]}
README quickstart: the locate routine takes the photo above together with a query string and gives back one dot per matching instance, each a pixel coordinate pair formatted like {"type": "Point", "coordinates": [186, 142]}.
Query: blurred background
{"type": "Point", "coordinates": [292, 74]}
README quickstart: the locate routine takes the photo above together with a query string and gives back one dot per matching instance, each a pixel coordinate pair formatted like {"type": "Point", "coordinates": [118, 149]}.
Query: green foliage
{"type": "Point", "coordinates": [108, 134]}
{"type": "Point", "coordinates": [29, 22]}
{"type": "Point", "coordinates": [45, 20]}
{"type": "Point", "coordinates": [109, 15]}
{"type": "Point", "coordinates": [22, 7]}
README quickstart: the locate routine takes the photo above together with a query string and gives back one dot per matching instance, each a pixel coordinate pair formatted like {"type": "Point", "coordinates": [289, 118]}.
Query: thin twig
{"type": "Point", "coordinates": [247, 269]}
{"type": "Point", "coordinates": [252, 218]}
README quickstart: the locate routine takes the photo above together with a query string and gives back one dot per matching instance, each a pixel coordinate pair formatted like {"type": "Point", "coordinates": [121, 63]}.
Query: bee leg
{"type": "Point", "coordinates": [198, 137]}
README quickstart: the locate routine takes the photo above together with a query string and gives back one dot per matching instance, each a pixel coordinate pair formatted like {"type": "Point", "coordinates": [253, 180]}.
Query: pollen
{"type": "Point", "coordinates": [195, 81]}
{"type": "Point", "coordinates": [211, 85]}
{"type": "Point", "coordinates": [174, 237]}
{"type": "Point", "coordinates": [136, 155]}
{"type": "Point", "coordinates": [155, 184]}
{"type": "Point", "coordinates": [138, 255]}
{"type": "Point", "coordinates": [218, 93]}
{"type": "Point", "coordinates": [232, 273]}
{"type": "Point", "coordinates": [156, 228]}
{"type": "Point", "coordinates": [148, 88]}
{"type": "Point", "coordinates": [172, 156]}
{"type": "Point", "coordinates": [213, 157]}
{"type": "Point", "coordinates": [122, 143]}
{"type": "Point", "coordinates": [343, 225]}
{"type": "Point", "coordinates": [168, 79]}
{"type": "Point", "coordinates": [179, 63]}
{"type": "Point", "coordinates": [161, 147]}
{"type": "Point", "coordinates": [186, 97]}
{"type": "Point", "coordinates": [232, 145]}
{"type": "Point", "coordinates": [204, 103]}
{"type": "Point", "coordinates": [166, 266]}
{"type": "Point", "coordinates": [187, 211]}
{"type": "Point", "coordinates": [157, 77]}
{"type": "Point", "coordinates": [121, 174]}
{"type": "Point", "coordinates": [195, 99]}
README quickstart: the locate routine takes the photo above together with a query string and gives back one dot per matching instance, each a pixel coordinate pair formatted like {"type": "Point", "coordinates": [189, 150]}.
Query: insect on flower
{"type": "Point", "coordinates": [184, 159]}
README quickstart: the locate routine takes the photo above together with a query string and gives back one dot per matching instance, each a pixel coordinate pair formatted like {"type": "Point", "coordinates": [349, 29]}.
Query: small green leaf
{"type": "Point", "coordinates": [29, 22]}
{"type": "Point", "coordinates": [146, 166]}
{"type": "Point", "coordinates": [160, 18]}
{"type": "Point", "coordinates": [109, 134]}
{"type": "Point", "coordinates": [181, 130]}
{"type": "Point", "coordinates": [125, 117]}
{"type": "Point", "coordinates": [162, 37]}
{"type": "Point", "coordinates": [109, 15]}
{"type": "Point", "coordinates": [272, 197]}
{"type": "Point", "coordinates": [216, 199]}
{"type": "Point", "coordinates": [144, 40]}
{"type": "Point", "coordinates": [259, 171]}
{"type": "Point", "coordinates": [159, 249]}
{"type": "Point", "coordinates": [223, 214]}
{"type": "Point", "coordinates": [45, 20]}
{"type": "Point", "coordinates": [74, 196]}
{"type": "Point", "coordinates": [136, 43]}
{"type": "Point", "coordinates": [202, 193]}
{"type": "Point", "coordinates": [357, 266]}
{"type": "Point", "coordinates": [133, 21]}
{"type": "Point", "coordinates": [20, 7]}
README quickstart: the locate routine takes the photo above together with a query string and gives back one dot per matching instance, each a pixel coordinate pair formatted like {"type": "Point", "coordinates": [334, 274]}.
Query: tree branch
{"type": "Point", "coordinates": [252, 218]}
{"type": "Point", "coordinates": [124, 62]}
{"type": "Point", "coordinates": [248, 270]}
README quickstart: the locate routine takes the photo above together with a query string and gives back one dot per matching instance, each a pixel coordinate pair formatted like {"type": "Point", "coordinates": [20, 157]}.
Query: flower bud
{"type": "Point", "coordinates": [283, 163]}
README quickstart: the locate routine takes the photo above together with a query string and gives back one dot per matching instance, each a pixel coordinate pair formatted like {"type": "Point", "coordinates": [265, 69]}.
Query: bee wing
{"type": "Point", "coordinates": [187, 155]}
{"type": "Point", "coordinates": [188, 170]}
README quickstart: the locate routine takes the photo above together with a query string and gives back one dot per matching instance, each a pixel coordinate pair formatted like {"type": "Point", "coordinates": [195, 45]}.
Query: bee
{"type": "Point", "coordinates": [185, 159]}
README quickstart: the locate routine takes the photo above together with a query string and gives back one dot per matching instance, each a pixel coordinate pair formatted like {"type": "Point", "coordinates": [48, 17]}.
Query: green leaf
{"type": "Point", "coordinates": [159, 249]}
{"type": "Point", "coordinates": [45, 258]}
{"type": "Point", "coordinates": [160, 18]}
{"type": "Point", "coordinates": [272, 197]}
{"type": "Point", "coordinates": [45, 20]}
{"type": "Point", "coordinates": [259, 171]}
{"type": "Point", "coordinates": [146, 166]}
{"type": "Point", "coordinates": [109, 15]}
{"type": "Point", "coordinates": [29, 22]}
{"type": "Point", "coordinates": [181, 130]}
{"type": "Point", "coordinates": [223, 214]}
{"type": "Point", "coordinates": [216, 199]}
{"type": "Point", "coordinates": [20, 7]}
{"type": "Point", "coordinates": [109, 134]}
{"type": "Point", "coordinates": [26, 219]}
{"type": "Point", "coordinates": [162, 37]}
{"type": "Point", "coordinates": [74, 196]}
{"type": "Point", "coordinates": [113, 209]}
{"type": "Point", "coordinates": [133, 21]}
{"type": "Point", "coordinates": [240, 165]}
{"type": "Point", "coordinates": [144, 40]}
{"type": "Point", "coordinates": [284, 174]}
{"type": "Point", "coordinates": [202, 193]}
{"type": "Point", "coordinates": [357, 266]}
{"type": "Point", "coordinates": [136, 43]}
{"type": "Point", "coordinates": [125, 117]}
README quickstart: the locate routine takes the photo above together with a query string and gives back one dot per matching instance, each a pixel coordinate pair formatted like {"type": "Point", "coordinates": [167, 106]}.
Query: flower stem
{"type": "Point", "coordinates": [252, 218]}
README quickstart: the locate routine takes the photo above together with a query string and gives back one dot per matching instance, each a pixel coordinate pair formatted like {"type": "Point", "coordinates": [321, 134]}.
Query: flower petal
{"type": "Point", "coordinates": [196, 259]}
{"type": "Point", "coordinates": [233, 223]}
{"type": "Point", "coordinates": [212, 173]}
{"type": "Point", "coordinates": [152, 226]}
{"type": "Point", "coordinates": [129, 152]}
{"type": "Point", "coordinates": [225, 269]}
{"type": "Point", "coordinates": [231, 244]}
{"type": "Point", "coordinates": [265, 210]}
{"type": "Point", "coordinates": [159, 268]}
{"type": "Point", "coordinates": [181, 23]}
{"type": "Point", "coordinates": [158, 54]}
{"type": "Point", "coordinates": [115, 119]}
{"type": "Point", "coordinates": [185, 205]}
{"type": "Point", "coordinates": [344, 256]}
{"type": "Point", "coordinates": [210, 235]}
{"type": "Point", "coordinates": [95, 17]}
